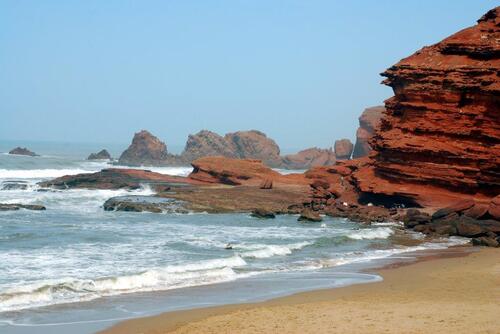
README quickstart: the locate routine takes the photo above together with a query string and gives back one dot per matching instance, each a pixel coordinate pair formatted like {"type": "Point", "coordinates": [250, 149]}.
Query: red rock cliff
{"type": "Point", "coordinates": [440, 135]}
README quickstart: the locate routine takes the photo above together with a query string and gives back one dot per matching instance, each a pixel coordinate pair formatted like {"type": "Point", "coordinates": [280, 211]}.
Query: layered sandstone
{"type": "Point", "coordinates": [368, 123]}
{"type": "Point", "coordinates": [439, 139]}
{"type": "Point", "coordinates": [250, 172]}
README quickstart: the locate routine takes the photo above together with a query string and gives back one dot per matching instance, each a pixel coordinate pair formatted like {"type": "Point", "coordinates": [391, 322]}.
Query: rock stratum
{"type": "Point", "coordinates": [439, 138]}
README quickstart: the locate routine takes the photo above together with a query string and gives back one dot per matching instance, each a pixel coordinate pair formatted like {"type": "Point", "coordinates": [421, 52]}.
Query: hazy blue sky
{"type": "Point", "coordinates": [301, 71]}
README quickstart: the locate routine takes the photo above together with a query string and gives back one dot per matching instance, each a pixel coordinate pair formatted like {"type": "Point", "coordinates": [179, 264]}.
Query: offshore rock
{"type": "Point", "coordinates": [101, 155]}
{"type": "Point", "coordinates": [147, 150]}
{"type": "Point", "coordinates": [207, 143]}
{"type": "Point", "coordinates": [23, 151]}
{"type": "Point", "coordinates": [254, 144]}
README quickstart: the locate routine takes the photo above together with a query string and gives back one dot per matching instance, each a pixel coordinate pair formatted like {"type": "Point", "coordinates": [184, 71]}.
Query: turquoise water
{"type": "Point", "coordinates": [76, 263]}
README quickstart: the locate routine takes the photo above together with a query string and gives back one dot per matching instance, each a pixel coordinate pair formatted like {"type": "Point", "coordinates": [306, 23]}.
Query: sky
{"type": "Point", "coordinates": [300, 71]}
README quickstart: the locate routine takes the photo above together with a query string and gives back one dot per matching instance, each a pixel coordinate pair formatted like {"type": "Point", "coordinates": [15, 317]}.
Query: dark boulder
{"type": "Point", "coordinates": [262, 213]}
{"type": "Point", "coordinates": [308, 215]}
{"type": "Point", "coordinates": [485, 241]}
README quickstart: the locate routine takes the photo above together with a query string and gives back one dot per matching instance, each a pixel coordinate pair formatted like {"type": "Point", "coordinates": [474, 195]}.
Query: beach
{"type": "Point", "coordinates": [436, 295]}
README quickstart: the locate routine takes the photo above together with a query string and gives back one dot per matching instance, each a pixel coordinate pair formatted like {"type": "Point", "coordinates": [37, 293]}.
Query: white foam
{"type": "Point", "coordinates": [367, 256]}
{"type": "Point", "coordinates": [372, 233]}
{"type": "Point", "coordinates": [39, 173]}
{"type": "Point", "coordinates": [265, 251]}
{"type": "Point", "coordinates": [69, 290]}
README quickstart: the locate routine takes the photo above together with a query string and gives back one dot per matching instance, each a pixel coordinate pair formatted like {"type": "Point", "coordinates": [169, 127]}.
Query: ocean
{"type": "Point", "coordinates": [78, 268]}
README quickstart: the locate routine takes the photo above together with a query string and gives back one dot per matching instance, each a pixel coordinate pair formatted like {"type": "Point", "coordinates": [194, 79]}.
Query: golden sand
{"type": "Point", "coordinates": [443, 295]}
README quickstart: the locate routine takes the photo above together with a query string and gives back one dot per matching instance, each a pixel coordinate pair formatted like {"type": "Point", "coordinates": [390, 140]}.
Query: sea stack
{"type": "Point", "coordinates": [145, 149]}
{"type": "Point", "coordinates": [22, 151]}
{"type": "Point", "coordinates": [101, 155]}
{"type": "Point", "coordinates": [440, 136]}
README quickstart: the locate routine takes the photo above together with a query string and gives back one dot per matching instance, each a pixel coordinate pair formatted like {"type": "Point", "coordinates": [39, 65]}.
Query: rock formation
{"type": "Point", "coordinates": [207, 143]}
{"type": "Point", "coordinates": [23, 151]}
{"type": "Point", "coordinates": [147, 150]}
{"type": "Point", "coordinates": [343, 149]}
{"type": "Point", "coordinates": [311, 157]}
{"type": "Point", "coordinates": [101, 155]}
{"type": "Point", "coordinates": [368, 123]}
{"type": "Point", "coordinates": [439, 139]}
{"type": "Point", "coordinates": [254, 144]}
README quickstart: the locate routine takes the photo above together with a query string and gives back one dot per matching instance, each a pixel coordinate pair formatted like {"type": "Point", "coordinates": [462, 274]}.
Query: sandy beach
{"type": "Point", "coordinates": [442, 295]}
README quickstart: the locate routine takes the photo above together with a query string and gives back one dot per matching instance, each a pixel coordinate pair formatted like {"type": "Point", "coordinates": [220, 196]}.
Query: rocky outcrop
{"type": "Point", "coordinates": [101, 155]}
{"type": "Point", "coordinates": [17, 206]}
{"type": "Point", "coordinates": [465, 218]}
{"type": "Point", "coordinates": [439, 139]}
{"type": "Point", "coordinates": [147, 150]}
{"type": "Point", "coordinates": [368, 123]}
{"type": "Point", "coordinates": [23, 151]}
{"type": "Point", "coordinates": [117, 178]}
{"type": "Point", "coordinates": [311, 157]}
{"type": "Point", "coordinates": [254, 144]}
{"type": "Point", "coordinates": [343, 149]}
{"type": "Point", "coordinates": [205, 144]}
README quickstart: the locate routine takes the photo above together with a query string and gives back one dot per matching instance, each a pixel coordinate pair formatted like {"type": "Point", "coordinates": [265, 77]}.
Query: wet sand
{"type": "Point", "coordinates": [439, 295]}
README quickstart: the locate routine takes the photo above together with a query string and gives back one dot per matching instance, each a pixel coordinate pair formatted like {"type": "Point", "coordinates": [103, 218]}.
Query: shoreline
{"type": "Point", "coordinates": [436, 293]}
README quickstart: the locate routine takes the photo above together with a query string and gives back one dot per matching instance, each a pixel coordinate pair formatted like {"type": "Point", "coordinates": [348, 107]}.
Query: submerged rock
{"type": "Point", "coordinates": [17, 206]}
{"type": "Point", "coordinates": [14, 185]}
{"type": "Point", "coordinates": [23, 151]}
{"type": "Point", "coordinates": [263, 213]}
{"type": "Point", "coordinates": [101, 155]}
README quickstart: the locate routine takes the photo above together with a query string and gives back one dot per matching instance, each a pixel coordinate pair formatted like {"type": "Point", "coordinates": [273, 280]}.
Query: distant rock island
{"type": "Point", "coordinates": [23, 151]}
{"type": "Point", "coordinates": [101, 155]}
{"type": "Point", "coordinates": [147, 150]}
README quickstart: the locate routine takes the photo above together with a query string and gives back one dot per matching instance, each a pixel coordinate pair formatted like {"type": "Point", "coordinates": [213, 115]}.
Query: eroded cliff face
{"type": "Point", "coordinates": [440, 135]}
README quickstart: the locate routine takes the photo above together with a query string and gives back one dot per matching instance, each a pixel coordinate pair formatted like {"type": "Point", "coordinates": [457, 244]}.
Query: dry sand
{"type": "Point", "coordinates": [444, 295]}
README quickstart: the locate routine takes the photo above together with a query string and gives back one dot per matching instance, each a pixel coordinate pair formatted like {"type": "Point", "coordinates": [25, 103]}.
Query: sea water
{"type": "Point", "coordinates": [75, 267]}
